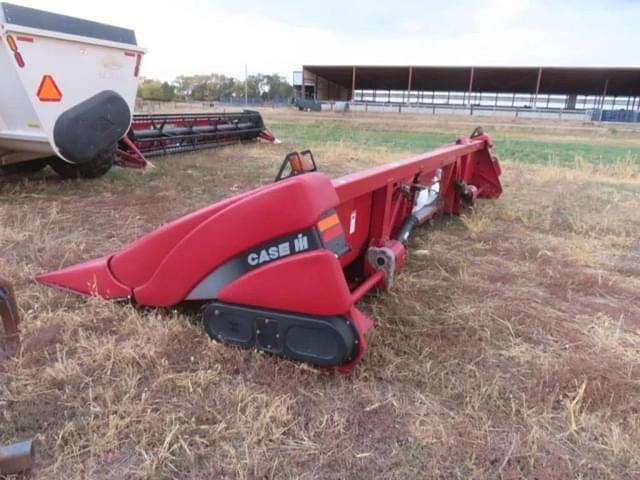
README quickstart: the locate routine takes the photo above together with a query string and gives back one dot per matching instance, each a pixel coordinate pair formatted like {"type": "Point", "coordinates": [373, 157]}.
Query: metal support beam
{"type": "Point", "coordinates": [409, 85]}
{"type": "Point", "coordinates": [538, 82]}
{"type": "Point", "coordinates": [353, 83]}
{"type": "Point", "coordinates": [471, 74]}
{"type": "Point", "coordinates": [315, 93]}
{"type": "Point", "coordinates": [604, 92]}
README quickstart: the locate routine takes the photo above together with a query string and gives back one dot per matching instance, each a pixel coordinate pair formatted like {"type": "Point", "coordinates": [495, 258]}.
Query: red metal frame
{"type": "Point", "coordinates": [374, 207]}
{"type": "Point", "coordinates": [128, 155]}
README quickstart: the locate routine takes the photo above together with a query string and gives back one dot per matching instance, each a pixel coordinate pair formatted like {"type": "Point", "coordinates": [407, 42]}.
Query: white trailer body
{"type": "Point", "coordinates": [67, 86]}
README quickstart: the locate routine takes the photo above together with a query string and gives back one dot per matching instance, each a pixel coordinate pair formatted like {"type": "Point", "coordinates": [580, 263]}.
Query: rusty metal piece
{"type": "Point", "coordinates": [478, 131]}
{"type": "Point", "coordinates": [17, 457]}
{"type": "Point", "coordinates": [9, 314]}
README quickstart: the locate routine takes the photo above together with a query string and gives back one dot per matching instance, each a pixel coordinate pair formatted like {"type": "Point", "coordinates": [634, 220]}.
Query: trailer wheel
{"type": "Point", "coordinates": [93, 169]}
{"type": "Point", "coordinates": [32, 166]}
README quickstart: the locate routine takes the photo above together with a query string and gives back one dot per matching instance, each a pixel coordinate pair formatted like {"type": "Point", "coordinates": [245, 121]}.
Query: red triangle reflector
{"type": "Point", "coordinates": [48, 91]}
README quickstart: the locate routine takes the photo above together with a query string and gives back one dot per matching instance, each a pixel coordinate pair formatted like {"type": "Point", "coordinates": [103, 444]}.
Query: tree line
{"type": "Point", "coordinates": [215, 87]}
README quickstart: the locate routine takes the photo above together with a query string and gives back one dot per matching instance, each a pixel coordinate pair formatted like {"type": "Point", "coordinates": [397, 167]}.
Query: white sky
{"type": "Point", "coordinates": [198, 36]}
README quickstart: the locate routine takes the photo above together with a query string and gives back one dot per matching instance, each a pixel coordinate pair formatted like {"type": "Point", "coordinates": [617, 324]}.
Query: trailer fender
{"type": "Point", "coordinates": [92, 127]}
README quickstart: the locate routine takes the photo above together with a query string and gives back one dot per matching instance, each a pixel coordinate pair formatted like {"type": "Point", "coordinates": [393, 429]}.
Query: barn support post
{"type": "Point", "coordinates": [353, 84]}
{"type": "Point", "coordinates": [604, 92]}
{"type": "Point", "coordinates": [315, 88]}
{"type": "Point", "coordinates": [604, 95]}
{"type": "Point", "coordinates": [471, 74]}
{"type": "Point", "coordinates": [538, 82]}
{"type": "Point", "coordinates": [409, 85]}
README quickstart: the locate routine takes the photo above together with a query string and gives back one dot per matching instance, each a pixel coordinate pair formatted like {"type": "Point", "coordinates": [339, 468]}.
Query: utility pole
{"type": "Point", "coordinates": [245, 84]}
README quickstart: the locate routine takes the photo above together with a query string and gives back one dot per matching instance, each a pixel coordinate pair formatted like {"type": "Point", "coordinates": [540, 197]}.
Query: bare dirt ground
{"type": "Point", "coordinates": [507, 349]}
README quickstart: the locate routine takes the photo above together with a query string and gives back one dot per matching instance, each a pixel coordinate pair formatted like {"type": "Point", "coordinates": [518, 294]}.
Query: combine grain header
{"type": "Point", "coordinates": [162, 134]}
{"type": "Point", "coordinates": [281, 268]}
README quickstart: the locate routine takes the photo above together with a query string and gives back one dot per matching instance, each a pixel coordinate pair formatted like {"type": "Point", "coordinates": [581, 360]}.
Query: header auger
{"type": "Point", "coordinates": [281, 268]}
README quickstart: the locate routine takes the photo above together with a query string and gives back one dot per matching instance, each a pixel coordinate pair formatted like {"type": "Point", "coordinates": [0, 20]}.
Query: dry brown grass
{"type": "Point", "coordinates": [507, 349]}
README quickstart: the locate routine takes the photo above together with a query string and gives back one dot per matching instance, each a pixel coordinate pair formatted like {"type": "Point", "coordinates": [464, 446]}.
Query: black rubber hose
{"type": "Point", "coordinates": [408, 225]}
{"type": "Point", "coordinates": [413, 220]}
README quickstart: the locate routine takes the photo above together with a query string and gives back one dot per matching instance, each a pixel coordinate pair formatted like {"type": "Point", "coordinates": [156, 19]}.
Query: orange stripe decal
{"type": "Point", "coordinates": [332, 233]}
{"type": "Point", "coordinates": [328, 222]}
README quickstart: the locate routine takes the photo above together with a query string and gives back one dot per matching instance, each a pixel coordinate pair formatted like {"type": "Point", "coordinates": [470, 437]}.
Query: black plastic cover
{"type": "Point", "coordinates": [323, 341]}
{"type": "Point", "coordinates": [92, 127]}
{"type": "Point", "coordinates": [30, 17]}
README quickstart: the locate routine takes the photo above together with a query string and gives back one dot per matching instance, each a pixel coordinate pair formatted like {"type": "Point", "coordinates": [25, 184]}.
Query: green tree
{"type": "Point", "coordinates": [167, 91]}
{"type": "Point", "coordinates": [214, 87]}
{"type": "Point", "coordinates": [277, 86]}
{"type": "Point", "coordinates": [151, 89]}
{"type": "Point", "coordinates": [183, 85]}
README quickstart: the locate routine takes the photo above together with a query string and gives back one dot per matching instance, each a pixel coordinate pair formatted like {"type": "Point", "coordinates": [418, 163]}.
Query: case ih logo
{"type": "Point", "coordinates": [297, 244]}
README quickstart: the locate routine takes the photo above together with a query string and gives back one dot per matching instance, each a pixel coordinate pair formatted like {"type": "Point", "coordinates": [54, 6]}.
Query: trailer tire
{"type": "Point", "coordinates": [92, 169]}
{"type": "Point", "coordinates": [32, 166]}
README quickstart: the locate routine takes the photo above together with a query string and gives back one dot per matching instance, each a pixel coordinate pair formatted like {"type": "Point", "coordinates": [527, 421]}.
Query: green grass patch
{"type": "Point", "coordinates": [524, 150]}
